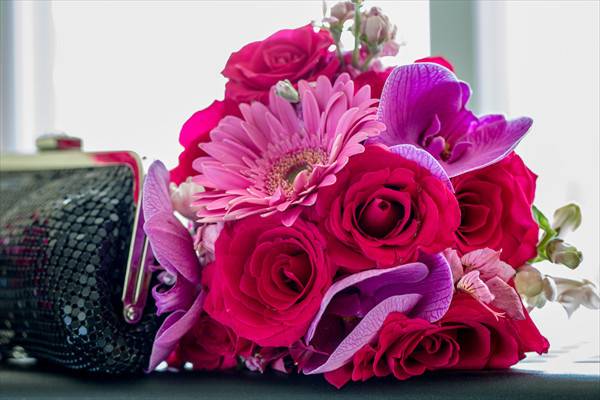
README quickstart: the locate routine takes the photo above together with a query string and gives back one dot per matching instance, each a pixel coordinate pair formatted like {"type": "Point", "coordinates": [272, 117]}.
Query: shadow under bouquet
{"type": "Point", "coordinates": [332, 216]}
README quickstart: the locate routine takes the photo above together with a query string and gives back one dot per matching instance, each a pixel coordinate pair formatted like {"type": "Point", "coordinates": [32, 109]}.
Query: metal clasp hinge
{"type": "Point", "coordinates": [138, 273]}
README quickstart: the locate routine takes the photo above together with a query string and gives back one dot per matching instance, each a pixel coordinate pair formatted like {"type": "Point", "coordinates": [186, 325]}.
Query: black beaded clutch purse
{"type": "Point", "coordinates": [74, 277]}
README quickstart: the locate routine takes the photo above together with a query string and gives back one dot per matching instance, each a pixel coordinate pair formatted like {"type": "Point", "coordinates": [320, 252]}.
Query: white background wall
{"type": "Point", "coordinates": [128, 75]}
{"type": "Point", "coordinates": [552, 52]}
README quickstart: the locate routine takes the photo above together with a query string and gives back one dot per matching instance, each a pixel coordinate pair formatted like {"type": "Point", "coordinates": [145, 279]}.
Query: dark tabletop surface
{"type": "Point", "coordinates": [39, 382]}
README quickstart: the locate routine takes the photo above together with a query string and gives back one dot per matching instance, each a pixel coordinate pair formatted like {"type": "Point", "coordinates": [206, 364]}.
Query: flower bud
{"type": "Point", "coordinates": [342, 11]}
{"type": "Point", "coordinates": [563, 253]}
{"type": "Point", "coordinates": [573, 293]}
{"type": "Point", "coordinates": [286, 90]}
{"type": "Point", "coordinates": [182, 197]}
{"type": "Point", "coordinates": [549, 288]}
{"type": "Point", "coordinates": [376, 27]}
{"type": "Point", "coordinates": [538, 301]}
{"type": "Point", "coordinates": [567, 219]}
{"type": "Point", "coordinates": [528, 281]}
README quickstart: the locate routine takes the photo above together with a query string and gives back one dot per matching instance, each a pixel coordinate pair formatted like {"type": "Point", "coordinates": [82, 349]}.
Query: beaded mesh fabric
{"type": "Point", "coordinates": [64, 242]}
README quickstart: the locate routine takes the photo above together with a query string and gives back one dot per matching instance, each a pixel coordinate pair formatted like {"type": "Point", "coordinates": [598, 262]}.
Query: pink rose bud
{"type": "Point", "coordinates": [342, 11]}
{"type": "Point", "coordinates": [376, 27]}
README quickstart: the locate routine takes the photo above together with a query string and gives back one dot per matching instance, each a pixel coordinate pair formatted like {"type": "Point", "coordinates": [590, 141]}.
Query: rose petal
{"type": "Point", "coordinates": [425, 160]}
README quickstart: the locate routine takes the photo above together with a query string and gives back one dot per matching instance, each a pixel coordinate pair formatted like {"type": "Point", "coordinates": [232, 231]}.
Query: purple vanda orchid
{"type": "Point", "coordinates": [354, 308]}
{"type": "Point", "coordinates": [173, 247]}
{"type": "Point", "coordinates": [425, 105]}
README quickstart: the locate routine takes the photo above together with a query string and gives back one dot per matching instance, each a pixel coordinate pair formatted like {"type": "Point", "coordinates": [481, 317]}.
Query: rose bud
{"type": "Point", "coordinates": [376, 27]}
{"type": "Point", "coordinates": [567, 219]}
{"type": "Point", "coordinates": [342, 11]}
{"type": "Point", "coordinates": [563, 253]}
{"type": "Point", "coordinates": [286, 90]}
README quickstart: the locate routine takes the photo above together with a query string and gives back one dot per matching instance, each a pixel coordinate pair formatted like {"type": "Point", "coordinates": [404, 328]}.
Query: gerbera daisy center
{"type": "Point", "coordinates": [288, 167]}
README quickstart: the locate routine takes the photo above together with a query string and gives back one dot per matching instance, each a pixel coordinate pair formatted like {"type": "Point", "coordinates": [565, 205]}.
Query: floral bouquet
{"type": "Point", "coordinates": [332, 216]}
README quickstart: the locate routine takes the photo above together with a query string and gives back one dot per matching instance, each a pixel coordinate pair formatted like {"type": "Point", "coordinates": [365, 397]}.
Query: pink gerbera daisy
{"type": "Point", "coordinates": [276, 158]}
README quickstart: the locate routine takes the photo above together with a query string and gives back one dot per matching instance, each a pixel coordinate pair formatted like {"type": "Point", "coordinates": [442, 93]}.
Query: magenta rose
{"type": "Point", "coordinates": [375, 79]}
{"type": "Point", "coordinates": [268, 279]}
{"type": "Point", "coordinates": [195, 131]}
{"type": "Point", "coordinates": [489, 341]}
{"type": "Point", "coordinates": [404, 348]}
{"type": "Point", "coordinates": [495, 204]}
{"type": "Point", "coordinates": [409, 347]}
{"type": "Point", "coordinates": [384, 209]}
{"type": "Point", "coordinates": [210, 345]}
{"type": "Point", "coordinates": [291, 54]}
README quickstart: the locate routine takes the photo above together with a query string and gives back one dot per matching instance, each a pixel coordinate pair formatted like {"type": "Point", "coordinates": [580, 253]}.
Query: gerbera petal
{"type": "Point", "coordinates": [277, 157]}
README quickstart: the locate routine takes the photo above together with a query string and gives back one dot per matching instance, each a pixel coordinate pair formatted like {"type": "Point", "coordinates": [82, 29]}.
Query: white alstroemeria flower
{"type": "Point", "coordinates": [182, 197]}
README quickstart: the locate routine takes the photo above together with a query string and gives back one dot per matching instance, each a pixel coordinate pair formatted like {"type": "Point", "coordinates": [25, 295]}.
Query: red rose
{"type": "Point", "coordinates": [195, 131]}
{"type": "Point", "coordinates": [360, 368]}
{"type": "Point", "coordinates": [495, 204]}
{"type": "Point", "coordinates": [405, 348]}
{"type": "Point", "coordinates": [437, 60]}
{"type": "Point", "coordinates": [291, 54]}
{"type": "Point", "coordinates": [489, 342]}
{"type": "Point", "coordinates": [409, 347]}
{"type": "Point", "coordinates": [211, 346]}
{"type": "Point", "coordinates": [383, 209]}
{"type": "Point", "coordinates": [375, 79]}
{"type": "Point", "coordinates": [268, 279]}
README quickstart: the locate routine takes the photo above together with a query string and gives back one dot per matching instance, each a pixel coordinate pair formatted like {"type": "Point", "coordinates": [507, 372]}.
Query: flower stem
{"type": "Point", "coordinates": [336, 33]}
{"type": "Point", "coordinates": [368, 60]}
{"type": "Point", "coordinates": [356, 32]}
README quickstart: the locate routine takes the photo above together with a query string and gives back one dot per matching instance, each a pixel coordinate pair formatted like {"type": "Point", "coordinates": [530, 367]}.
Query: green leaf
{"type": "Point", "coordinates": [549, 234]}
{"type": "Point", "coordinates": [542, 221]}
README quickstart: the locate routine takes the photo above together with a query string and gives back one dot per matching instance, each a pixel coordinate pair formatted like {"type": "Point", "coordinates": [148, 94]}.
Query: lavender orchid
{"type": "Point", "coordinates": [355, 307]}
{"type": "Point", "coordinates": [425, 105]}
{"type": "Point", "coordinates": [173, 247]}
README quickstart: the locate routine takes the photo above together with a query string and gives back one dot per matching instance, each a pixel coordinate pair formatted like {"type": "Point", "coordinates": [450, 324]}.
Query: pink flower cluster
{"type": "Point", "coordinates": [358, 230]}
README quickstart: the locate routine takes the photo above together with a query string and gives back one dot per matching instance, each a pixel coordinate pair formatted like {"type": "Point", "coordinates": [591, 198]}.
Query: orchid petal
{"type": "Point", "coordinates": [366, 330]}
{"type": "Point", "coordinates": [172, 329]}
{"type": "Point", "coordinates": [368, 297]}
{"type": "Point", "coordinates": [156, 197]}
{"type": "Point", "coordinates": [173, 246]}
{"type": "Point", "coordinates": [490, 143]}
{"type": "Point", "coordinates": [425, 105]}
{"type": "Point", "coordinates": [425, 160]}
